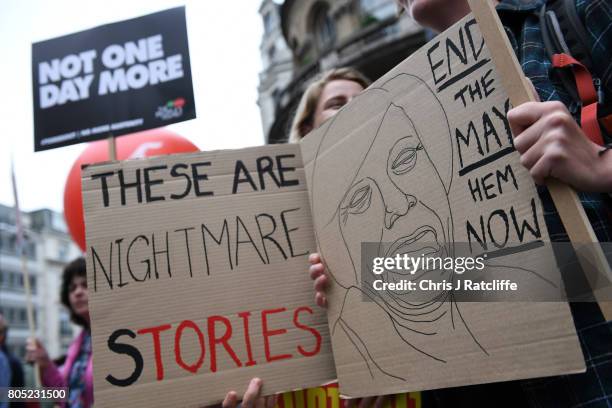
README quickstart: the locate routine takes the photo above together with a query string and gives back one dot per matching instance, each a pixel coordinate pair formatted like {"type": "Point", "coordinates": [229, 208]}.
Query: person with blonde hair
{"type": "Point", "coordinates": [324, 97]}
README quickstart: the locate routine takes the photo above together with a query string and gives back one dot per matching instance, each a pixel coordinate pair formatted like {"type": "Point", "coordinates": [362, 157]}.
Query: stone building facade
{"type": "Point", "coordinates": [48, 248]}
{"type": "Point", "coordinates": [369, 35]}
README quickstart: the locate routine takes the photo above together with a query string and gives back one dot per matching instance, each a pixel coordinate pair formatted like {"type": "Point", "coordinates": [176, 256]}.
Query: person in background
{"type": "Point", "coordinates": [15, 367]}
{"type": "Point", "coordinates": [324, 97]}
{"type": "Point", "coordinates": [5, 375]}
{"type": "Point", "coordinates": [77, 372]}
{"type": "Point", "coordinates": [551, 144]}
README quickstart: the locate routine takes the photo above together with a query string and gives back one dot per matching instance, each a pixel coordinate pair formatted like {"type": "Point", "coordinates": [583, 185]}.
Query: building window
{"type": "Point", "coordinates": [10, 315]}
{"type": "Point", "coordinates": [7, 243]}
{"type": "Point", "coordinates": [14, 281]}
{"type": "Point", "coordinates": [376, 10]}
{"type": "Point", "coordinates": [13, 244]}
{"type": "Point", "coordinates": [65, 328]}
{"type": "Point", "coordinates": [58, 223]}
{"type": "Point", "coordinates": [323, 27]}
{"type": "Point", "coordinates": [62, 253]}
{"type": "Point", "coordinates": [17, 316]}
{"type": "Point", "coordinates": [271, 53]}
{"type": "Point", "coordinates": [276, 96]}
{"type": "Point", "coordinates": [267, 18]}
{"type": "Point", "coordinates": [33, 284]}
{"type": "Point", "coordinates": [29, 248]}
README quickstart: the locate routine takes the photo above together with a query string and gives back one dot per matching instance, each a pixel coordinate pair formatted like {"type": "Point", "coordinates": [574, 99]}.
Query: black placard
{"type": "Point", "coordinates": [114, 79]}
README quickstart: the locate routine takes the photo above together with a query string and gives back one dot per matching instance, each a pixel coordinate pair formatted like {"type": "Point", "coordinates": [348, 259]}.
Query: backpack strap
{"type": "Point", "coordinates": [554, 42]}
{"type": "Point", "coordinates": [566, 42]}
{"type": "Point", "coordinates": [576, 36]}
{"type": "Point", "coordinates": [587, 93]}
{"type": "Point", "coordinates": [560, 21]}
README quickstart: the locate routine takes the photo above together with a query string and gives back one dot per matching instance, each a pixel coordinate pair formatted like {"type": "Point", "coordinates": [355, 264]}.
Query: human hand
{"type": "Point", "coordinates": [252, 397]}
{"type": "Point", "coordinates": [551, 144]}
{"type": "Point", "coordinates": [36, 353]}
{"type": "Point", "coordinates": [317, 274]}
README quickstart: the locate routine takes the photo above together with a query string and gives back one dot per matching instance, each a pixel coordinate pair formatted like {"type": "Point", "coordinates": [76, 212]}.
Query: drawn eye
{"type": "Point", "coordinates": [360, 201]}
{"type": "Point", "coordinates": [405, 160]}
{"type": "Point", "coordinates": [357, 200]}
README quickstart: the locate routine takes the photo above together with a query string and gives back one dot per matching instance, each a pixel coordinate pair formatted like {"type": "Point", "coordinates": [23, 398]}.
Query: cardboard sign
{"type": "Point", "coordinates": [197, 273]}
{"type": "Point", "coordinates": [424, 159]}
{"type": "Point", "coordinates": [114, 79]}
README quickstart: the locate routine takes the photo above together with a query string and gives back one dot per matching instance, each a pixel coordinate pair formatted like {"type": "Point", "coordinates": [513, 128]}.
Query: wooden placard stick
{"type": "Point", "coordinates": [29, 308]}
{"type": "Point", "coordinates": [20, 238]}
{"type": "Point", "coordinates": [112, 148]}
{"type": "Point", "coordinates": [581, 234]}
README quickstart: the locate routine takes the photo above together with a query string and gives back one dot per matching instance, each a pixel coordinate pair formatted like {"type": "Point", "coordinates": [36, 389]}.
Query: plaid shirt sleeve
{"type": "Point", "coordinates": [597, 17]}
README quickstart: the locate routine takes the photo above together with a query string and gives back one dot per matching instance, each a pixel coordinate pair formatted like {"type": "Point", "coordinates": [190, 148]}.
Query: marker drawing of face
{"type": "Point", "coordinates": [400, 201]}
{"type": "Point", "coordinates": [397, 191]}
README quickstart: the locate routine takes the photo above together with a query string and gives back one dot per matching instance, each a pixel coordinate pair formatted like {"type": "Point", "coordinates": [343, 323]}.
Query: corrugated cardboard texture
{"type": "Point", "coordinates": [218, 261]}
{"type": "Point", "coordinates": [425, 154]}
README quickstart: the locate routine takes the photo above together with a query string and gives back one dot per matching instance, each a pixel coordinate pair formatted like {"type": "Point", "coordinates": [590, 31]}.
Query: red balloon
{"type": "Point", "coordinates": [155, 142]}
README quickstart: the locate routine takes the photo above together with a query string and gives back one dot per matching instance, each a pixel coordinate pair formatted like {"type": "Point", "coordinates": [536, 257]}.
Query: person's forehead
{"type": "Point", "coordinates": [79, 279]}
{"type": "Point", "coordinates": [340, 87]}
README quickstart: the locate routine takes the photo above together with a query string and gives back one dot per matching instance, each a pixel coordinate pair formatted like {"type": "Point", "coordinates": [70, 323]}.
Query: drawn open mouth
{"type": "Point", "coordinates": [422, 242]}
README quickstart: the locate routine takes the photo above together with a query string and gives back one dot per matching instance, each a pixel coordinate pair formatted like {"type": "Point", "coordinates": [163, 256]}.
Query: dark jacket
{"type": "Point", "coordinates": [16, 374]}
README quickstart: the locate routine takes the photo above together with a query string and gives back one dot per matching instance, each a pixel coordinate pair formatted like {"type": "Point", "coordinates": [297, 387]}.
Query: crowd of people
{"type": "Point", "coordinates": [551, 144]}
{"type": "Point", "coordinates": [11, 370]}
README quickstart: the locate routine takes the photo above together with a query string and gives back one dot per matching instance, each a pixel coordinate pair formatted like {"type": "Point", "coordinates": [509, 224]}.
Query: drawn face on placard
{"type": "Point", "coordinates": [399, 201]}
{"type": "Point", "coordinates": [397, 193]}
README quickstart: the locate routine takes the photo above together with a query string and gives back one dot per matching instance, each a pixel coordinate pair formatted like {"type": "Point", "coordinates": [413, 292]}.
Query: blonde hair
{"type": "Point", "coordinates": [304, 115]}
